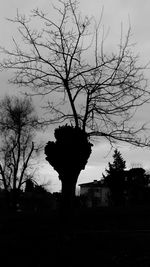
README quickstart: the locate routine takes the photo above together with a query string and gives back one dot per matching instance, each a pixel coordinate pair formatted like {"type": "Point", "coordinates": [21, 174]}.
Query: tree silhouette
{"type": "Point", "coordinates": [137, 185]}
{"type": "Point", "coordinates": [29, 186]}
{"type": "Point", "coordinates": [18, 124]}
{"type": "Point", "coordinates": [68, 155]}
{"type": "Point", "coordinates": [115, 178]}
{"type": "Point", "coordinates": [62, 60]}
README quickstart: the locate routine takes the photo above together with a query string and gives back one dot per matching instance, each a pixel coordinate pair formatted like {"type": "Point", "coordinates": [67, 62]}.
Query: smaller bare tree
{"type": "Point", "coordinates": [18, 125]}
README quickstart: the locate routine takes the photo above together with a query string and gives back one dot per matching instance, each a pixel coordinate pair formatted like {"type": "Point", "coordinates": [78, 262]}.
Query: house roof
{"type": "Point", "coordinates": [95, 183]}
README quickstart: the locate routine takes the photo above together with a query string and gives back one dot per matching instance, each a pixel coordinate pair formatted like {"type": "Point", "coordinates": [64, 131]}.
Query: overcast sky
{"type": "Point", "coordinates": [115, 12]}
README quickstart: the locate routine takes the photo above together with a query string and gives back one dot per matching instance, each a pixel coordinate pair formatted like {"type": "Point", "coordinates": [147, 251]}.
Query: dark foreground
{"type": "Point", "coordinates": [104, 237]}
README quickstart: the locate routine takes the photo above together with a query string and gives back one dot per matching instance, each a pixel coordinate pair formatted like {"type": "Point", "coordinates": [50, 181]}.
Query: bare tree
{"type": "Point", "coordinates": [96, 91]}
{"type": "Point", "coordinates": [64, 60]}
{"type": "Point", "coordinates": [18, 124]}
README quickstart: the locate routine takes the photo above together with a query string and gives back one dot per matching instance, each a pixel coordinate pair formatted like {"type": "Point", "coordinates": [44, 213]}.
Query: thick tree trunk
{"type": "Point", "coordinates": [67, 205]}
{"type": "Point", "coordinates": [68, 195]}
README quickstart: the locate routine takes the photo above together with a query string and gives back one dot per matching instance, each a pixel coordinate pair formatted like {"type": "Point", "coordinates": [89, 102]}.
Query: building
{"type": "Point", "coordinates": [95, 194]}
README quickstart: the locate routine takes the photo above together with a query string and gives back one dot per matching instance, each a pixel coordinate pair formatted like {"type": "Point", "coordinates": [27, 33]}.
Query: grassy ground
{"type": "Point", "coordinates": [104, 237]}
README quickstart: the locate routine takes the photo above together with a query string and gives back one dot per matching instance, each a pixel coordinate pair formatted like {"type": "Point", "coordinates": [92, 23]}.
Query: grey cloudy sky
{"type": "Point", "coordinates": [115, 12]}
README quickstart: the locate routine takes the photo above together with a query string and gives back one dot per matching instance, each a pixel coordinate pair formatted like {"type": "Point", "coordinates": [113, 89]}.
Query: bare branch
{"type": "Point", "coordinates": [18, 124]}
{"type": "Point", "coordinates": [65, 59]}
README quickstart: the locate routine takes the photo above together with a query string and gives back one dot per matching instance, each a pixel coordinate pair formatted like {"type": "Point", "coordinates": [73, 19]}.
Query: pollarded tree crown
{"type": "Point", "coordinates": [70, 151]}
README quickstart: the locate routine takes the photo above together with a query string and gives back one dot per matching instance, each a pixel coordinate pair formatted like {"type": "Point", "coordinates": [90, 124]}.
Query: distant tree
{"type": "Point", "coordinates": [137, 181]}
{"type": "Point", "coordinates": [42, 199]}
{"type": "Point", "coordinates": [138, 176]}
{"type": "Point", "coordinates": [115, 178]}
{"type": "Point", "coordinates": [39, 189]}
{"type": "Point", "coordinates": [118, 164]}
{"type": "Point", "coordinates": [29, 186]}
{"type": "Point", "coordinates": [18, 125]}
